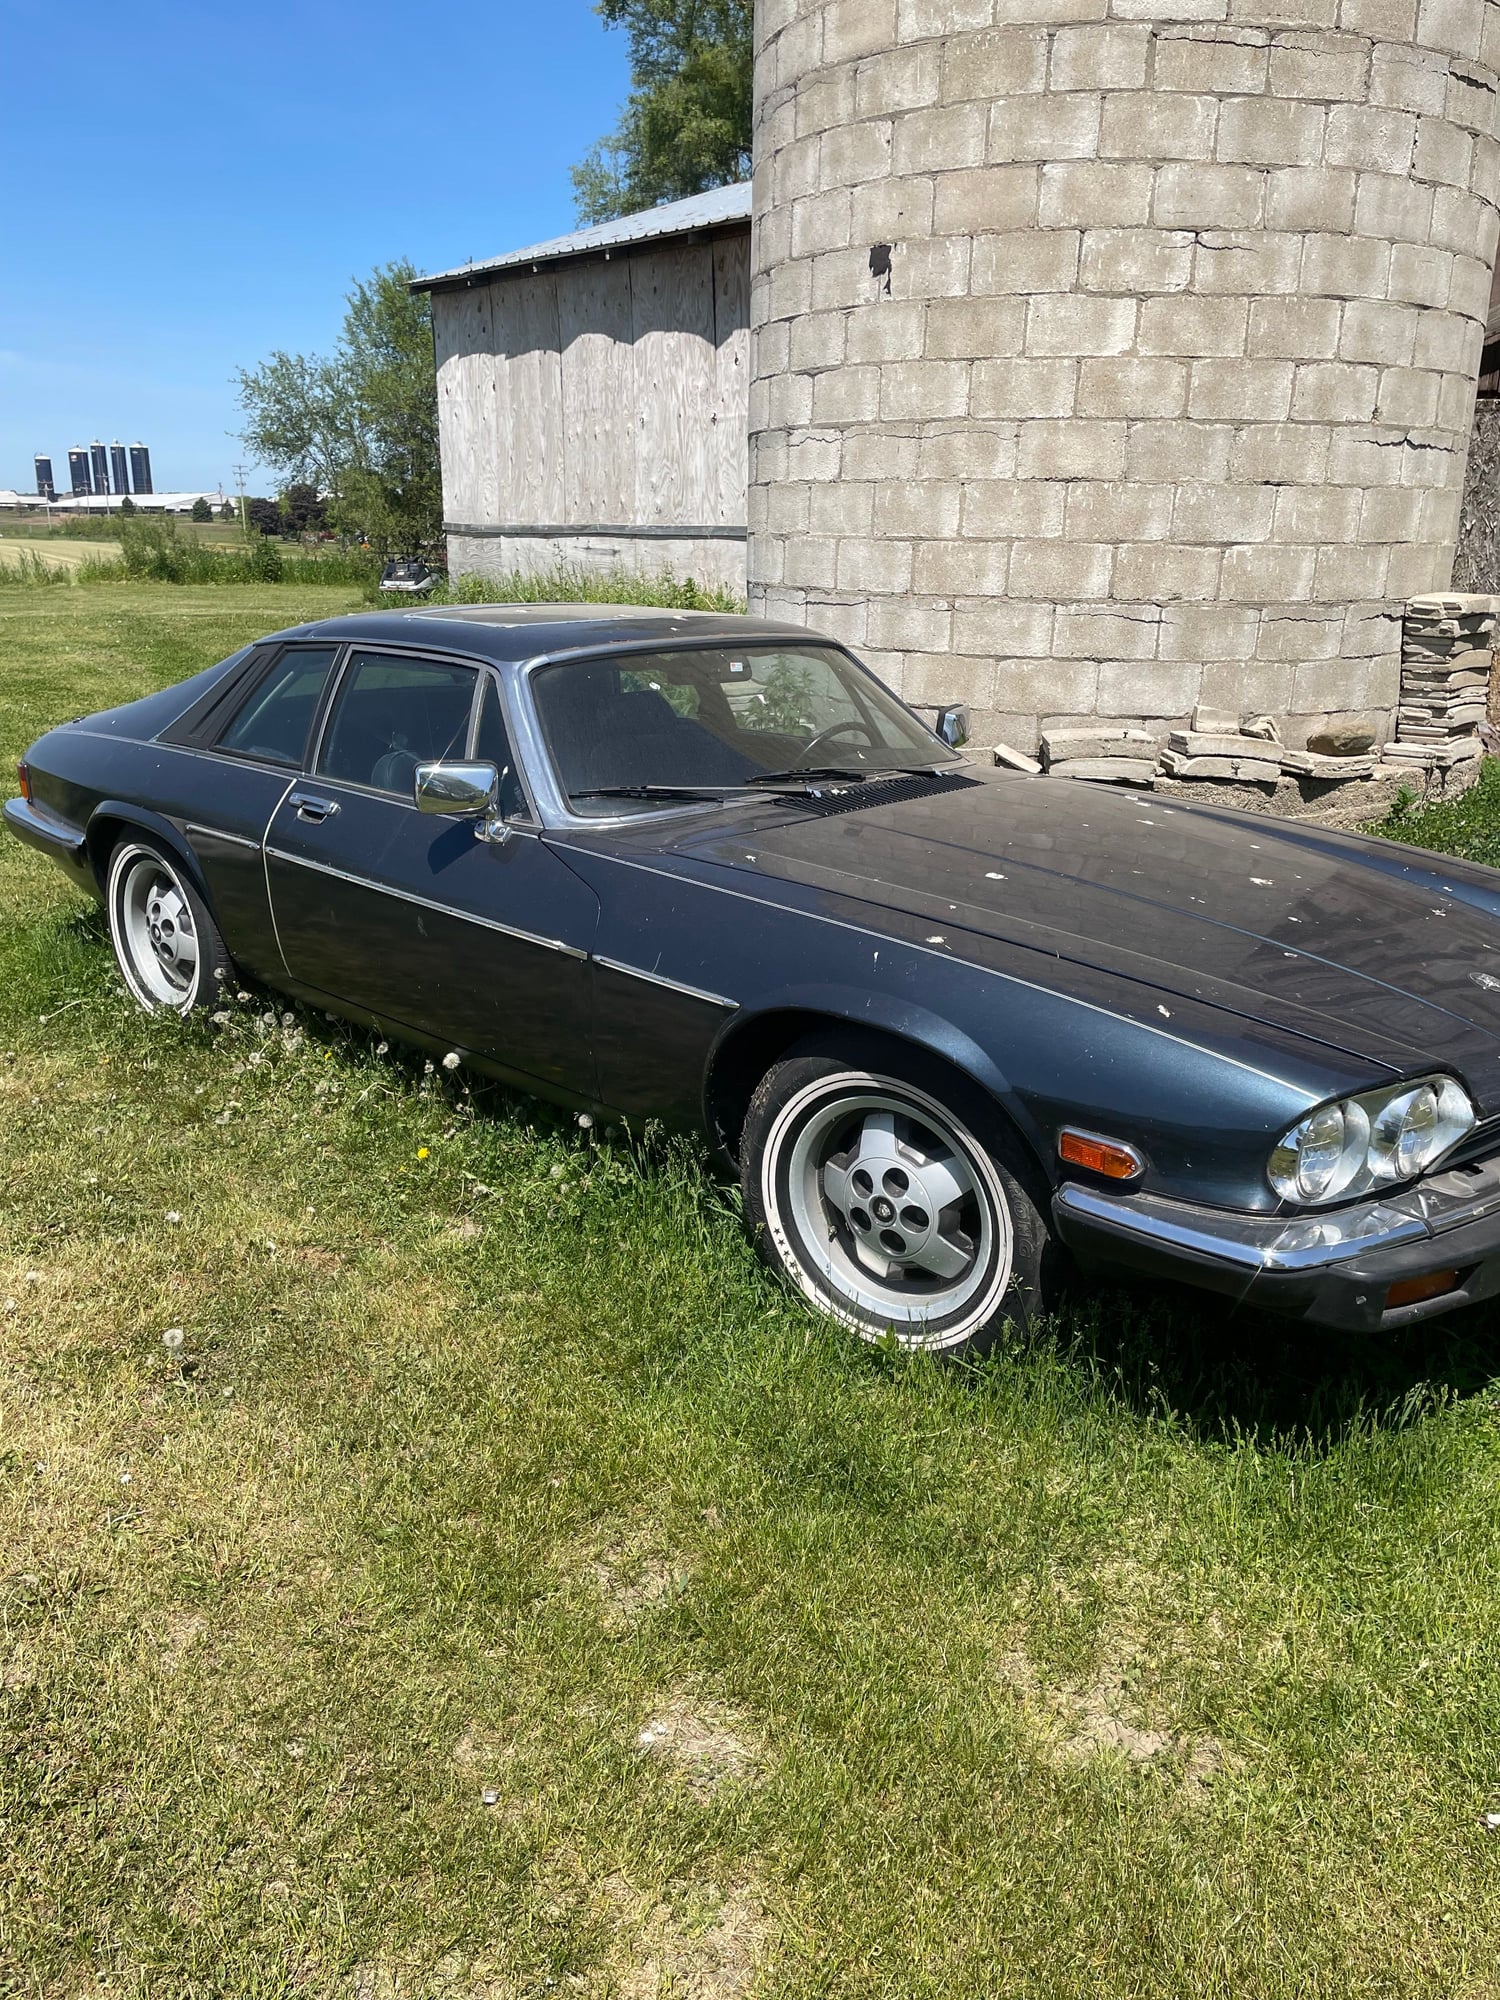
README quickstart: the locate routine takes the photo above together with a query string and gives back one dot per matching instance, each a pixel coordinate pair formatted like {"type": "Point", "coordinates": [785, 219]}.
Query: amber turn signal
{"type": "Point", "coordinates": [23, 772]}
{"type": "Point", "coordinates": [1412, 1291]}
{"type": "Point", "coordinates": [1110, 1157]}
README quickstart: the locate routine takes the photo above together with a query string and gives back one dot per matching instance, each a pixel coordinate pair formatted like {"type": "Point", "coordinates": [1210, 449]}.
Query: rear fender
{"type": "Point", "coordinates": [112, 817]}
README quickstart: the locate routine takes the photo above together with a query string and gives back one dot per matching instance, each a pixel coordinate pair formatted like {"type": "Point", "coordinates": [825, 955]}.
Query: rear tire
{"type": "Point", "coordinates": [894, 1199]}
{"type": "Point", "coordinates": [167, 946]}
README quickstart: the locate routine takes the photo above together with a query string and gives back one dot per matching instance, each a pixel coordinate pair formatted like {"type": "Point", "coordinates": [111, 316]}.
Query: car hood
{"type": "Point", "coordinates": [1378, 949]}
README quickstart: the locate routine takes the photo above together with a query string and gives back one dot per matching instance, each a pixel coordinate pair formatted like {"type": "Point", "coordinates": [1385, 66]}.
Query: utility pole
{"type": "Point", "coordinates": [239, 480]}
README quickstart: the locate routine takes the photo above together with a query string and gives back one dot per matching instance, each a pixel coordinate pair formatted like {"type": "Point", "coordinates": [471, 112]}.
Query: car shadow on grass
{"type": "Point", "coordinates": [1248, 1376]}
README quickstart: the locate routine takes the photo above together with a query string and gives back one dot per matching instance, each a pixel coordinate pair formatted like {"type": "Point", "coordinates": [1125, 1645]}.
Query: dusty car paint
{"type": "Point", "coordinates": [1189, 980]}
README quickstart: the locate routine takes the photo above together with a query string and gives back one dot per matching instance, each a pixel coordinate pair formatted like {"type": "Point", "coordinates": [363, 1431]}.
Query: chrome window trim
{"type": "Point", "coordinates": [660, 979]}
{"type": "Point", "coordinates": [428, 657]}
{"type": "Point", "coordinates": [303, 643]}
{"type": "Point", "coordinates": [424, 902]}
{"type": "Point", "coordinates": [507, 716]}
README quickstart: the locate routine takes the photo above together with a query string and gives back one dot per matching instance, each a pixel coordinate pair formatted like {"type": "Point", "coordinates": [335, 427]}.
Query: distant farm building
{"type": "Point", "coordinates": [593, 397]}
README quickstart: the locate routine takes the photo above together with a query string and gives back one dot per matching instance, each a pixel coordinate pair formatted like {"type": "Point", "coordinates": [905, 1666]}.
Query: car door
{"type": "Point", "coordinates": [415, 918]}
{"type": "Point", "coordinates": [224, 770]}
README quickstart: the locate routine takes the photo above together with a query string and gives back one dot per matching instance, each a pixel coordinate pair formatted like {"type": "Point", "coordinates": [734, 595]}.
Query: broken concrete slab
{"type": "Point", "coordinates": [1339, 770]}
{"type": "Point", "coordinates": [1199, 743]}
{"type": "Point", "coordinates": [1433, 756]}
{"type": "Point", "coordinates": [1241, 770]}
{"type": "Point", "coordinates": [1107, 770]}
{"type": "Point", "coordinates": [1016, 760]}
{"type": "Point", "coordinates": [1216, 721]}
{"type": "Point", "coordinates": [1061, 745]}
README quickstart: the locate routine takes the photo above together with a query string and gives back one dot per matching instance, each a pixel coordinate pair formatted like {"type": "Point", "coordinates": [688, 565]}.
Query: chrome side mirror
{"type": "Point", "coordinates": [952, 725]}
{"type": "Point", "coordinates": [456, 788]}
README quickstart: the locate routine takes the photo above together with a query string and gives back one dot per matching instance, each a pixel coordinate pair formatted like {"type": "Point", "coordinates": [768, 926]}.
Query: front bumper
{"type": "Point", "coordinates": [1335, 1269]}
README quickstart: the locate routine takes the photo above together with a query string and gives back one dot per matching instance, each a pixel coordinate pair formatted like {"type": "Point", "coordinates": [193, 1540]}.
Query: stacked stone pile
{"type": "Point", "coordinates": [1447, 641]}
{"type": "Point", "coordinates": [1219, 747]}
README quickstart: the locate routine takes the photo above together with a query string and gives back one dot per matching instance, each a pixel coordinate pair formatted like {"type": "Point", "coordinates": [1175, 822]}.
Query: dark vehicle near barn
{"type": "Point", "coordinates": [947, 1021]}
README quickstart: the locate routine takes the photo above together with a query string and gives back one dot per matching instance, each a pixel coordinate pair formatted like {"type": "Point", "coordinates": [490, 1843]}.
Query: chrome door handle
{"type": "Point", "coordinates": [310, 807]}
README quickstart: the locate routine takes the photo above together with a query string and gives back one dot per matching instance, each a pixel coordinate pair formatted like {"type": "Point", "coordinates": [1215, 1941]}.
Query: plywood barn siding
{"type": "Point", "coordinates": [466, 405]}
{"type": "Point", "coordinates": [609, 393]}
{"type": "Point", "coordinates": [672, 292]}
{"type": "Point", "coordinates": [598, 393]}
{"type": "Point", "coordinates": [528, 363]}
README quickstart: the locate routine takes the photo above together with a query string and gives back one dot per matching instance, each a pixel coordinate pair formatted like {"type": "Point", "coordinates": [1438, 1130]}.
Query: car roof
{"type": "Point", "coordinates": [512, 632]}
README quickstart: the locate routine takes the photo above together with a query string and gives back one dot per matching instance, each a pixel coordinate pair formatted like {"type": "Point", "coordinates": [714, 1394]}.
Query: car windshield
{"type": "Point", "coordinates": [712, 719]}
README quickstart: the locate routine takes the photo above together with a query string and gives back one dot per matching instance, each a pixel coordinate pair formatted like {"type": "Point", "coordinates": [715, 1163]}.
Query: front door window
{"type": "Point", "coordinates": [391, 714]}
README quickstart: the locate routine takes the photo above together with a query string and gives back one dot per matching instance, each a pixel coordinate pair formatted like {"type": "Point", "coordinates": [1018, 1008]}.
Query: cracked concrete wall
{"type": "Point", "coordinates": [1112, 355]}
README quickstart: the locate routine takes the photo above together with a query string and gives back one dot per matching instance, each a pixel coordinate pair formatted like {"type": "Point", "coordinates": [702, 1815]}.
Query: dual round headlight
{"type": "Point", "coordinates": [1370, 1141]}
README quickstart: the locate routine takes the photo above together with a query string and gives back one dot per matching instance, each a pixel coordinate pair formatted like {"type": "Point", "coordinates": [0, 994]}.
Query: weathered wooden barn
{"type": "Point", "coordinates": [593, 397]}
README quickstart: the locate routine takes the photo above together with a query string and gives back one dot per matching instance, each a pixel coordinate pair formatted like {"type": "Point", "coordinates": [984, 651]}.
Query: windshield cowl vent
{"type": "Point", "coordinates": [833, 798]}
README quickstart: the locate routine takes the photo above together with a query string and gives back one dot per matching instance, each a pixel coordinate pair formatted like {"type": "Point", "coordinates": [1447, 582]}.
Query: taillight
{"type": "Point", "coordinates": [23, 772]}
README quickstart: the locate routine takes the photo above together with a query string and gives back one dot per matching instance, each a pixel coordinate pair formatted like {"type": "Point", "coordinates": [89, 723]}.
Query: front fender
{"type": "Point", "coordinates": [799, 1010]}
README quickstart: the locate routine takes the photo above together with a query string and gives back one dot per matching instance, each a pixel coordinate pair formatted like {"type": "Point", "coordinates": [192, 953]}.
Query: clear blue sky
{"type": "Point", "coordinates": [191, 187]}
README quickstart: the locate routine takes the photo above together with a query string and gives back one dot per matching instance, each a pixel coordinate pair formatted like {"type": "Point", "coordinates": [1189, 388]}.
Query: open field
{"type": "Point", "coordinates": [503, 1589]}
{"type": "Point", "coordinates": [55, 552]}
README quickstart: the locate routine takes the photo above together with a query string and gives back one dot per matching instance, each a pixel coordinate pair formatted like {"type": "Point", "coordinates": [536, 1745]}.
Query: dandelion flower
{"type": "Point", "coordinates": [423, 1152]}
{"type": "Point", "coordinates": [173, 1338]}
{"type": "Point", "coordinates": [450, 1061]}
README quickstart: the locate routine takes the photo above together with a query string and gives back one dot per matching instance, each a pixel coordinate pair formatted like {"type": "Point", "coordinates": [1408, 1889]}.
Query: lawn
{"type": "Point", "coordinates": [502, 1589]}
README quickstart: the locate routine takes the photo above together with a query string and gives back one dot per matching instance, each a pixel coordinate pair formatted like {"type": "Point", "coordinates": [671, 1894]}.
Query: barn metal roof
{"type": "Point", "coordinates": [649, 225]}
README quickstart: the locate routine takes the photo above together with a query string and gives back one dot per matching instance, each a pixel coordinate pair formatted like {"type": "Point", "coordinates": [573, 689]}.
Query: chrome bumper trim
{"type": "Point", "coordinates": [1254, 1243]}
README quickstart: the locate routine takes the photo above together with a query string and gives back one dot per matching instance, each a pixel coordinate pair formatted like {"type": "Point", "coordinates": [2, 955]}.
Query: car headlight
{"type": "Point", "coordinates": [1370, 1141]}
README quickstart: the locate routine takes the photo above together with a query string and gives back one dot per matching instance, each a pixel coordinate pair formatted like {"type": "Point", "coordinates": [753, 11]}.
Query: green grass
{"type": "Point", "coordinates": [1156, 1659]}
{"type": "Point", "coordinates": [1469, 825]}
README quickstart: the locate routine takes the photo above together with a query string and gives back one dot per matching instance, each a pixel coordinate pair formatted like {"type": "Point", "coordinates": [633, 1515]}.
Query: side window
{"type": "Point", "coordinates": [391, 714]}
{"type": "Point", "coordinates": [275, 718]}
{"type": "Point", "coordinates": [492, 746]}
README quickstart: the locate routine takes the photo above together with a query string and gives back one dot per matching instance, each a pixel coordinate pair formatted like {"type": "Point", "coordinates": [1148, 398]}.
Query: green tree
{"type": "Point", "coordinates": [263, 515]}
{"type": "Point", "coordinates": [304, 511]}
{"type": "Point", "coordinates": [227, 513]}
{"type": "Point", "coordinates": [127, 505]}
{"type": "Point", "coordinates": [201, 510]}
{"type": "Point", "coordinates": [686, 124]}
{"type": "Point", "coordinates": [359, 425]}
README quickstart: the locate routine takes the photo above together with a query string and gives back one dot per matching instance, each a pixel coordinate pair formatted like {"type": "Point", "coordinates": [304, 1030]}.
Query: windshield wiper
{"type": "Point", "coordinates": [810, 774]}
{"type": "Point", "coordinates": [655, 792]}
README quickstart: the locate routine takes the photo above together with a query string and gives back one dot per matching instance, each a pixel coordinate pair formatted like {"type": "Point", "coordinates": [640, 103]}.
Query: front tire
{"type": "Point", "coordinates": [887, 1205]}
{"type": "Point", "coordinates": [166, 944]}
